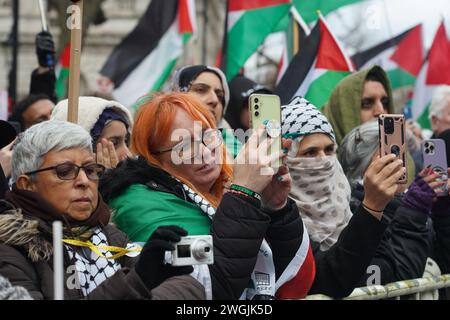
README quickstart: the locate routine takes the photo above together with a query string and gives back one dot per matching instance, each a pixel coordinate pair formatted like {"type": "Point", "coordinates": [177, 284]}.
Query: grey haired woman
{"type": "Point", "coordinates": [55, 179]}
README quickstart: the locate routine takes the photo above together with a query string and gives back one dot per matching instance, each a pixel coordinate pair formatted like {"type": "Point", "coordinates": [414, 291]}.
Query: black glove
{"type": "Point", "coordinates": [45, 49]}
{"type": "Point", "coordinates": [151, 267]}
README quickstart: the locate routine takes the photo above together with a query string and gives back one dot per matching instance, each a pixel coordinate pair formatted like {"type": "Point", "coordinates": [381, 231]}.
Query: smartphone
{"type": "Point", "coordinates": [435, 155]}
{"type": "Point", "coordinates": [392, 138]}
{"type": "Point", "coordinates": [266, 109]}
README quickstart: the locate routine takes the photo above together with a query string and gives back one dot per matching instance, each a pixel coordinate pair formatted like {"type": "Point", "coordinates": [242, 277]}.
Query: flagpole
{"type": "Point", "coordinates": [43, 10]}
{"type": "Point", "coordinates": [14, 42]}
{"type": "Point", "coordinates": [205, 27]}
{"type": "Point", "coordinates": [75, 56]}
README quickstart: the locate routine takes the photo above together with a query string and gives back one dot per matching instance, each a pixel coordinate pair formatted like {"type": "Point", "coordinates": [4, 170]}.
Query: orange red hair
{"type": "Point", "coordinates": [153, 126]}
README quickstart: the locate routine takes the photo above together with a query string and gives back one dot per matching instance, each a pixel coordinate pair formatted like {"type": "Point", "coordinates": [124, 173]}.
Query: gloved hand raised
{"type": "Point", "coordinates": [45, 49]}
{"type": "Point", "coordinates": [151, 267]}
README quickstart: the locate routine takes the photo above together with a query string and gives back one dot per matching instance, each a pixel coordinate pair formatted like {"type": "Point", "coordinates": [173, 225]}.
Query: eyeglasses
{"type": "Point", "coordinates": [69, 171]}
{"type": "Point", "coordinates": [188, 149]}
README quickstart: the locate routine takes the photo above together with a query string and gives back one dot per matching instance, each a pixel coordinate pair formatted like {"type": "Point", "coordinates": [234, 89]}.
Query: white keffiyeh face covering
{"type": "Point", "coordinates": [322, 194]}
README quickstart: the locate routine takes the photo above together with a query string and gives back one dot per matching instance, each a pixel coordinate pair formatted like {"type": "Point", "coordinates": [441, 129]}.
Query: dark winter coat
{"type": "Point", "coordinates": [26, 260]}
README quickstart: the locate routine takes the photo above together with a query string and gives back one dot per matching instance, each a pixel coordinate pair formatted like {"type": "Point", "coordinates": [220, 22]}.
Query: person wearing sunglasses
{"type": "Point", "coordinates": [56, 179]}
{"type": "Point", "coordinates": [178, 179]}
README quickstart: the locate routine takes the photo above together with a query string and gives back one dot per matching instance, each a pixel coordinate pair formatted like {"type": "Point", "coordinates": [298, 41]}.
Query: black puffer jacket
{"type": "Point", "coordinates": [26, 260]}
{"type": "Point", "coordinates": [398, 245]}
{"type": "Point", "coordinates": [238, 227]}
{"type": "Point", "coordinates": [405, 247]}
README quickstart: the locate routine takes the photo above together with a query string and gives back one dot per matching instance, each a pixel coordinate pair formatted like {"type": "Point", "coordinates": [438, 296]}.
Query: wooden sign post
{"type": "Point", "coordinates": [75, 24]}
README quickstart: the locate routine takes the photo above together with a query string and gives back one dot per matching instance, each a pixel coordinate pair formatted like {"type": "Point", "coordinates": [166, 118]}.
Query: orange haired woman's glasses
{"type": "Point", "coordinates": [190, 148]}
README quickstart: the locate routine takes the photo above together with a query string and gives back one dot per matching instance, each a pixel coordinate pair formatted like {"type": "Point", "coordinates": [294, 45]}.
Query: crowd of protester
{"type": "Point", "coordinates": [319, 224]}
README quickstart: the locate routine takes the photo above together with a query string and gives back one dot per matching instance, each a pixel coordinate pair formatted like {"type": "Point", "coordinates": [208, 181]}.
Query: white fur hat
{"type": "Point", "coordinates": [89, 111]}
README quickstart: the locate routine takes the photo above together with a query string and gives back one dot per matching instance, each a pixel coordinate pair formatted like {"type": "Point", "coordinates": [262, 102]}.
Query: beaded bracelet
{"type": "Point", "coordinates": [245, 190]}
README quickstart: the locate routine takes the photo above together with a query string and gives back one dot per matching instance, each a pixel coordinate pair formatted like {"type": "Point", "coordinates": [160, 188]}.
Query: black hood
{"type": "Point", "coordinates": [240, 89]}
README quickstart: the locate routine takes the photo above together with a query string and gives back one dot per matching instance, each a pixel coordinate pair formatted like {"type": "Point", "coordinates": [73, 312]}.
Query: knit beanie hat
{"type": "Point", "coordinates": [90, 110]}
{"type": "Point", "coordinates": [105, 118]}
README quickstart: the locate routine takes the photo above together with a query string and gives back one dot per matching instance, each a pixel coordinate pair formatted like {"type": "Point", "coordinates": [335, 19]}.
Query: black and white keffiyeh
{"type": "Point", "coordinates": [204, 204]}
{"type": "Point", "coordinates": [92, 269]}
{"type": "Point", "coordinates": [301, 116]}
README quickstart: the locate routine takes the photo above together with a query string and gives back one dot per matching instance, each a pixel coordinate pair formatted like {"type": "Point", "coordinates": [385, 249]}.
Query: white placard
{"type": "Point", "coordinates": [3, 105]}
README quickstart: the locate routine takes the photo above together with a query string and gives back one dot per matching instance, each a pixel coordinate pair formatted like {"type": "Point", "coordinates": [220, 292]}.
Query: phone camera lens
{"type": "Point", "coordinates": [427, 151]}
{"type": "Point", "coordinates": [256, 107]}
{"type": "Point", "coordinates": [427, 144]}
{"type": "Point", "coordinates": [389, 125]}
{"type": "Point", "coordinates": [395, 150]}
{"type": "Point", "coordinates": [256, 113]}
{"type": "Point", "coordinates": [431, 148]}
{"type": "Point", "coordinates": [256, 100]}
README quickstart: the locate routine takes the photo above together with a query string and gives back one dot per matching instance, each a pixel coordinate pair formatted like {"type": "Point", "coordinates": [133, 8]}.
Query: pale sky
{"type": "Point", "coordinates": [377, 21]}
{"type": "Point", "coordinates": [383, 19]}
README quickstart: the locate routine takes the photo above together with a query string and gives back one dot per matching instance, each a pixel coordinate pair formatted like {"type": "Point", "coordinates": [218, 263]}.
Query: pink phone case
{"type": "Point", "coordinates": [434, 154]}
{"type": "Point", "coordinates": [392, 139]}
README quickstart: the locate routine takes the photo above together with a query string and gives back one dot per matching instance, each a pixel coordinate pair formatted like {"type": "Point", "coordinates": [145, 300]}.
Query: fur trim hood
{"type": "Point", "coordinates": [132, 171]}
{"type": "Point", "coordinates": [19, 231]}
{"type": "Point", "coordinates": [89, 111]}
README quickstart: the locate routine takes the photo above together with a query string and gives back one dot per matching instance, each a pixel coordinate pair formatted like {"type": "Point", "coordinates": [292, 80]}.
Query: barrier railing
{"type": "Point", "coordinates": [395, 289]}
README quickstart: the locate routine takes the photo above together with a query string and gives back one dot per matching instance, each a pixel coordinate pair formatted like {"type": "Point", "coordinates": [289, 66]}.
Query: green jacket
{"type": "Point", "coordinates": [140, 210]}
{"type": "Point", "coordinates": [232, 143]}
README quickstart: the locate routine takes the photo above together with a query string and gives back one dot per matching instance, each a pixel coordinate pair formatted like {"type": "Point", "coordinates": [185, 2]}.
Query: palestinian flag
{"type": "Point", "coordinates": [293, 39]}
{"type": "Point", "coordinates": [247, 24]}
{"type": "Point", "coordinates": [435, 72]}
{"type": "Point", "coordinates": [308, 8]}
{"type": "Point", "coordinates": [62, 73]}
{"type": "Point", "coordinates": [144, 59]}
{"type": "Point", "coordinates": [316, 70]}
{"type": "Point", "coordinates": [401, 57]}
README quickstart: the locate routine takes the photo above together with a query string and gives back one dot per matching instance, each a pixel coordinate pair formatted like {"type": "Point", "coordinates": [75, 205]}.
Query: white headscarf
{"type": "Point", "coordinates": [320, 188]}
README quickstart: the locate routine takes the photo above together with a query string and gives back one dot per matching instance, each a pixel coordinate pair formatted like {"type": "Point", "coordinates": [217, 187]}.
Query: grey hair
{"type": "Point", "coordinates": [42, 138]}
{"type": "Point", "coordinates": [357, 149]}
{"type": "Point", "coordinates": [438, 102]}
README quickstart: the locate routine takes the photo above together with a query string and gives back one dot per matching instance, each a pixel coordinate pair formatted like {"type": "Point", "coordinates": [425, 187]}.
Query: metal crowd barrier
{"type": "Point", "coordinates": [428, 285]}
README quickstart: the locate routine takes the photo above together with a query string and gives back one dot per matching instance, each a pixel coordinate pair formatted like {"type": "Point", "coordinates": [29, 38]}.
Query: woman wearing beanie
{"type": "Point", "coordinates": [109, 124]}
{"type": "Point", "coordinates": [346, 240]}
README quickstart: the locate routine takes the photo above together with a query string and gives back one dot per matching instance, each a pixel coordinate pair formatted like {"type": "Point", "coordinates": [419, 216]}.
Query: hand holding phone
{"type": "Point", "coordinates": [392, 138]}
{"type": "Point", "coordinates": [435, 156]}
{"type": "Point", "coordinates": [265, 109]}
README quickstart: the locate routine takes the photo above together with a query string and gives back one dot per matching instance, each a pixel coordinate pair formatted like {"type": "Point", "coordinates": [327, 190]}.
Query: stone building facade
{"type": "Point", "coordinates": [122, 16]}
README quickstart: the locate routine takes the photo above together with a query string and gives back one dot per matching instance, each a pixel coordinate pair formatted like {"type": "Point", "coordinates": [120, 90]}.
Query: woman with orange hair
{"type": "Point", "coordinates": [261, 248]}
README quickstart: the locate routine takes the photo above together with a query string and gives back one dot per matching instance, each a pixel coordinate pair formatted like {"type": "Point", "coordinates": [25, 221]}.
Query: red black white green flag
{"type": "Point", "coordinates": [401, 57]}
{"type": "Point", "coordinates": [316, 70]}
{"type": "Point", "coordinates": [144, 59]}
{"type": "Point", "coordinates": [435, 72]}
{"type": "Point", "coordinates": [247, 24]}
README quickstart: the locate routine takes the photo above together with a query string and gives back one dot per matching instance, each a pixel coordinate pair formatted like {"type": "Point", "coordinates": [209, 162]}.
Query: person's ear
{"type": "Point", "coordinates": [434, 120]}
{"type": "Point", "coordinates": [24, 182]}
